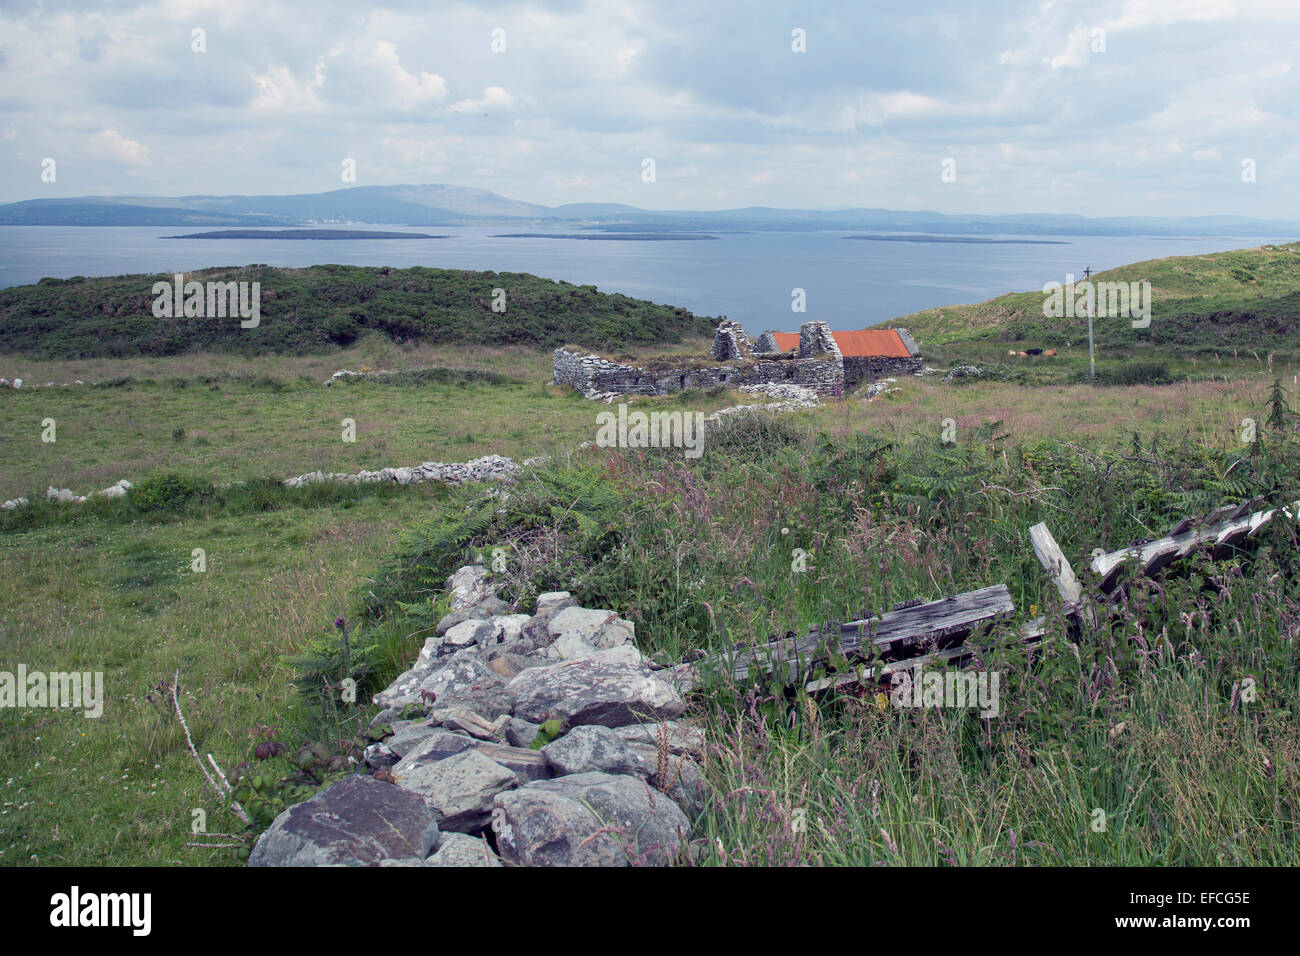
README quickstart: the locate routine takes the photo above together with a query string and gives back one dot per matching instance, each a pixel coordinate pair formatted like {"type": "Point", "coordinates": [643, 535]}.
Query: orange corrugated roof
{"type": "Point", "coordinates": [865, 342]}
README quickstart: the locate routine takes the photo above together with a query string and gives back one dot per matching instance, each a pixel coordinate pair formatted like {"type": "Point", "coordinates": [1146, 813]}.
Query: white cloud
{"type": "Point", "coordinates": [279, 90]}
{"type": "Point", "coordinates": [111, 143]}
{"type": "Point", "coordinates": [407, 90]}
{"type": "Point", "coordinates": [494, 98]}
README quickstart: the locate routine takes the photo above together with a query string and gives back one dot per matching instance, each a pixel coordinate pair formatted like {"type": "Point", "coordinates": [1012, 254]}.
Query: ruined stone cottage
{"type": "Point", "coordinates": [814, 357]}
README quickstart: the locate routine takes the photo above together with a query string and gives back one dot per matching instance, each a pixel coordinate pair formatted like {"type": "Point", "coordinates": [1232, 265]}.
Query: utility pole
{"type": "Point", "coordinates": [1092, 299]}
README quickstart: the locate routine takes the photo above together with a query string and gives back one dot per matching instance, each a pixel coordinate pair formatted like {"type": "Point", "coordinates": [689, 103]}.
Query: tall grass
{"type": "Point", "coordinates": [1130, 743]}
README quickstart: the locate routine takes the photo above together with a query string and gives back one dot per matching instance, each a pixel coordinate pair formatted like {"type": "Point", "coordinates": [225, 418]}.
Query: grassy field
{"type": "Point", "coordinates": [1139, 719]}
{"type": "Point", "coordinates": [122, 598]}
{"type": "Point", "coordinates": [215, 417]}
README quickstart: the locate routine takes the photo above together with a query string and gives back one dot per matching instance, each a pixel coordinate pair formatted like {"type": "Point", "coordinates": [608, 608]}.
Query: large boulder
{"type": "Point", "coordinates": [588, 691]}
{"type": "Point", "coordinates": [596, 749]}
{"type": "Point", "coordinates": [458, 789]}
{"type": "Point", "coordinates": [357, 821]}
{"type": "Point", "coordinates": [589, 819]}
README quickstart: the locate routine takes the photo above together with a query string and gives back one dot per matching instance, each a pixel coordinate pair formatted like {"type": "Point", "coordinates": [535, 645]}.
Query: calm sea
{"type": "Point", "coordinates": [746, 276]}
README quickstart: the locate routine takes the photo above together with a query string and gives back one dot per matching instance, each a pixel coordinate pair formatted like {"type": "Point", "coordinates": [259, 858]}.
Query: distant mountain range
{"type": "Point", "coordinates": [443, 205]}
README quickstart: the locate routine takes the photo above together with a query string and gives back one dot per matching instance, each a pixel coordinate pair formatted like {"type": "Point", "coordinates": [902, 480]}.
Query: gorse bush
{"type": "Point", "coordinates": [169, 492]}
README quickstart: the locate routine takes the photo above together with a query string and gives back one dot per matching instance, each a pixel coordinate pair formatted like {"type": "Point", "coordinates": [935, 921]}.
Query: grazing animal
{"type": "Point", "coordinates": [1023, 354]}
{"type": "Point", "coordinates": [1050, 352]}
{"type": "Point", "coordinates": [1011, 352]}
{"type": "Point", "coordinates": [1033, 351]}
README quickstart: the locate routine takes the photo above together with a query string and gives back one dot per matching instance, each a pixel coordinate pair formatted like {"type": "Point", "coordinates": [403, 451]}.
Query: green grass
{"type": "Point", "coordinates": [698, 554]}
{"type": "Point", "coordinates": [1137, 718]}
{"type": "Point", "coordinates": [97, 595]}
{"type": "Point", "coordinates": [1239, 303]}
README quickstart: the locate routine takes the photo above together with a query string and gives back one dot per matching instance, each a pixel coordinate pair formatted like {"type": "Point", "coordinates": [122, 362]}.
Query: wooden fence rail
{"type": "Point", "coordinates": [939, 632]}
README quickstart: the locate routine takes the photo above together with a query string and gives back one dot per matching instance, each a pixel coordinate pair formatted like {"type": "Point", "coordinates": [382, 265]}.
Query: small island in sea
{"type": "Point", "coordinates": [617, 236]}
{"type": "Point", "coordinates": [980, 239]}
{"type": "Point", "coordinates": [304, 234]}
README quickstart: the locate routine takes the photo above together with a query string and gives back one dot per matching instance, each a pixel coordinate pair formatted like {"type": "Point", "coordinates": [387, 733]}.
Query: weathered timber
{"type": "Point", "coordinates": [1030, 633]}
{"type": "Point", "coordinates": [1054, 561]}
{"type": "Point", "coordinates": [890, 636]}
{"type": "Point", "coordinates": [1215, 531]}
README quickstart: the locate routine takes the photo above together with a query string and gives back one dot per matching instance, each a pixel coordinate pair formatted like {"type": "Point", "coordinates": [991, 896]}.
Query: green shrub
{"type": "Point", "coordinates": [169, 491]}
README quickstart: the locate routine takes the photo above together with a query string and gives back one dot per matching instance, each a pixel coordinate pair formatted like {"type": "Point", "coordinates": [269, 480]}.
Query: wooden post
{"type": "Point", "coordinates": [1054, 561]}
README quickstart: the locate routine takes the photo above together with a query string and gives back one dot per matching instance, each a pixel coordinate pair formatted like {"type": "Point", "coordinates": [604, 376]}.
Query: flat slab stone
{"type": "Point", "coordinates": [458, 789]}
{"type": "Point", "coordinates": [358, 821]}
{"type": "Point", "coordinates": [587, 691]}
{"type": "Point", "coordinates": [589, 819]}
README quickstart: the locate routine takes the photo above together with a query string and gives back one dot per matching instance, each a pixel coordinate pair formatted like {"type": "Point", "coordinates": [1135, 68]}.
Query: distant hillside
{"type": "Point", "coordinates": [1246, 299]}
{"type": "Point", "coordinates": [436, 204]}
{"type": "Point", "coordinates": [323, 307]}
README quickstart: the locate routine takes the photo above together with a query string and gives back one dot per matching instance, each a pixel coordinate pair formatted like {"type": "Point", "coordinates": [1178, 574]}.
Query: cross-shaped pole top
{"type": "Point", "coordinates": [1087, 271]}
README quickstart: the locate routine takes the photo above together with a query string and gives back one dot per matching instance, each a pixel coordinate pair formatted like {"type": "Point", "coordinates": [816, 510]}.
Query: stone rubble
{"type": "Point", "coordinates": [68, 496]}
{"type": "Point", "coordinates": [574, 754]}
{"type": "Point", "coordinates": [487, 468]}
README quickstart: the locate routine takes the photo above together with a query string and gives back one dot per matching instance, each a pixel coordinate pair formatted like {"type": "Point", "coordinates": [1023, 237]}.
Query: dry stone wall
{"type": "Point", "coordinates": [541, 739]}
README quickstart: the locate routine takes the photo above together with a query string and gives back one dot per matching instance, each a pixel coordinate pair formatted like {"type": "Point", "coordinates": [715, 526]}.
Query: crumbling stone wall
{"type": "Point", "coordinates": [819, 366]}
{"type": "Point", "coordinates": [869, 368]}
{"type": "Point", "coordinates": [730, 342]}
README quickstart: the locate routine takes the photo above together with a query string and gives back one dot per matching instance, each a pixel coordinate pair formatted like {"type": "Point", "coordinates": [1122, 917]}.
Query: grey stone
{"type": "Point", "coordinates": [458, 789]}
{"type": "Point", "coordinates": [450, 620]}
{"type": "Point", "coordinates": [487, 696]}
{"type": "Point", "coordinates": [461, 671]}
{"type": "Point", "coordinates": [590, 692]}
{"type": "Point", "coordinates": [357, 821]}
{"type": "Point", "coordinates": [588, 819]}
{"type": "Point", "coordinates": [570, 646]}
{"type": "Point", "coordinates": [507, 664]}
{"type": "Point", "coordinates": [459, 849]}
{"type": "Point", "coordinates": [377, 756]}
{"type": "Point", "coordinates": [409, 736]}
{"type": "Point", "coordinates": [468, 633]}
{"type": "Point", "coordinates": [682, 738]}
{"type": "Point", "coordinates": [554, 600]}
{"type": "Point", "coordinates": [581, 621]}
{"type": "Point", "coordinates": [493, 606]}
{"type": "Point", "coordinates": [614, 634]}
{"type": "Point", "coordinates": [511, 626]}
{"type": "Point", "coordinates": [469, 586]}
{"type": "Point", "coordinates": [443, 744]}
{"type": "Point", "coordinates": [521, 733]}
{"type": "Point", "coordinates": [591, 748]}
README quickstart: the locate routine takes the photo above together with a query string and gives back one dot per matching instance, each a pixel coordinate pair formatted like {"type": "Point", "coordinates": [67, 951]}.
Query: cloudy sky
{"type": "Point", "coordinates": [1115, 107]}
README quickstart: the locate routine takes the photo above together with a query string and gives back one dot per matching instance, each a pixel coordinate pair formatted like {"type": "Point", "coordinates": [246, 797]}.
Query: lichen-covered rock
{"type": "Point", "coordinates": [459, 849]}
{"type": "Point", "coordinates": [682, 738]}
{"type": "Point", "coordinates": [554, 601]}
{"type": "Point", "coordinates": [469, 586]}
{"type": "Point", "coordinates": [587, 691]}
{"type": "Point", "coordinates": [458, 789]}
{"type": "Point", "coordinates": [596, 749]}
{"type": "Point", "coordinates": [589, 819]}
{"type": "Point", "coordinates": [357, 821]}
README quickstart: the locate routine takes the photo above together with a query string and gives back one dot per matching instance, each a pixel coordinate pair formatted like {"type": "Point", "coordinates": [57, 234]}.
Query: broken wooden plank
{"type": "Point", "coordinates": [1030, 633]}
{"type": "Point", "coordinates": [890, 635]}
{"type": "Point", "coordinates": [1220, 535]}
{"type": "Point", "coordinates": [1054, 561]}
